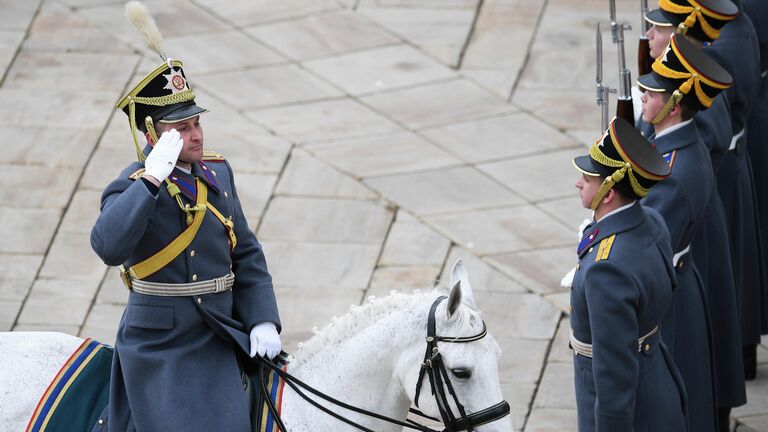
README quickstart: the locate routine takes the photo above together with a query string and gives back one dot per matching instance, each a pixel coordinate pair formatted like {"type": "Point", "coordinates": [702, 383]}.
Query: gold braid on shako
{"type": "Point", "coordinates": [693, 80]}
{"type": "Point", "coordinates": [696, 13]}
{"type": "Point", "coordinates": [625, 169]}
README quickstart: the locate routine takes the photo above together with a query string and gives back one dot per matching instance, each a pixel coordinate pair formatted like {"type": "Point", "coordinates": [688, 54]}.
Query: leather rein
{"type": "Point", "coordinates": [432, 366]}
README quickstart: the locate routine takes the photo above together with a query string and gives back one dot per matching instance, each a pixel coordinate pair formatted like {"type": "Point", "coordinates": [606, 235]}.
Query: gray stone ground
{"type": "Point", "coordinates": [374, 141]}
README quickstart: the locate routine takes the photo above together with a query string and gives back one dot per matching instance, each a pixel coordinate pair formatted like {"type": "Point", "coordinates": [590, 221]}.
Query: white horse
{"type": "Point", "coordinates": [370, 358]}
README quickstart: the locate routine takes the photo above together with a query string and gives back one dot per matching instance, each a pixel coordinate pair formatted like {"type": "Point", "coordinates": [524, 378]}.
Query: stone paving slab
{"type": "Point", "coordinates": [17, 273]}
{"type": "Point", "coordinates": [263, 87]}
{"type": "Point", "coordinates": [221, 52]}
{"type": "Point", "coordinates": [437, 104]}
{"type": "Point", "coordinates": [322, 35]}
{"type": "Point", "coordinates": [493, 138]}
{"type": "Point", "coordinates": [307, 176]}
{"type": "Point", "coordinates": [379, 69]}
{"type": "Point", "coordinates": [533, 178]}
{"type": "Point", "coordinates": [439, 31]}
{"type": "Point", "coordinates": [483, 276]}
{"type": "Point", "coordinates": [9, 42]}
{"type": "Point", "coordinates": [251, 12]}
{"type": "Point", "coordinates": [385, 155]}
{"type": "Point", "coordinates": [57, 28]}
{"type": "Point", "coordinates": [540, 270]}
{"type": "Point", "coordinates": [31, 145]}
{"type": "Point", "coordinates": [498, 49]}
{"type": "Point", "coordinates": [325, 220]}
{"type": "Point", "coordinates": [445, 190]}
{"type": "Point", "coordinates": [411, 243]}
{"type": "Point", "coordinates": [27, 230]}
{"type": "Point", "coordinates": [498, 231]}
{"type": "Point", "coordinates": [324, 121]}
{"type": "Point", "coordinates": [402, 279]}
{"type": "Point", "coordinates": [320, 264]}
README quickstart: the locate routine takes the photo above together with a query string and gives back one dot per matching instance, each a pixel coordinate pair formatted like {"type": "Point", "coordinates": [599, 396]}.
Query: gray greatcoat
{"type": "Point", "coordinates": [175, 365]}
{"type": "Point", "coordinates": [682, 200]}
{"type": "Point", "coordinates": [615, 301]}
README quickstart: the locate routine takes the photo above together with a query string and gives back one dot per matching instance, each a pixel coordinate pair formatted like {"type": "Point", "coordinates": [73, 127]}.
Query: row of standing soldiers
{"type": "Point", "coordinates": [705, 110]}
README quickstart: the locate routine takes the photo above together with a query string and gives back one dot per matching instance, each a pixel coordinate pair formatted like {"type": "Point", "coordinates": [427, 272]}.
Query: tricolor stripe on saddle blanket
{"type": "Point", "coordinates": [78, 393]}
{"type": "Point", "coordinates": [275, 386]}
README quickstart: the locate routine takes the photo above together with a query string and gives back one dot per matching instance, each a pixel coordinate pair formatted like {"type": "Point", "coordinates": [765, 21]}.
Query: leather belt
{"type": "Point", "coordinates": [585, 349]}
{"type": "Point", "coordinates": [735, 140]}
{"type": "Point", "coordinates": [212, 286]}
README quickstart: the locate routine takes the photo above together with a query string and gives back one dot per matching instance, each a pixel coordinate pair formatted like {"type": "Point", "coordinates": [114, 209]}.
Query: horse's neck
{"type": "Point", "coordinates": [358, 367]}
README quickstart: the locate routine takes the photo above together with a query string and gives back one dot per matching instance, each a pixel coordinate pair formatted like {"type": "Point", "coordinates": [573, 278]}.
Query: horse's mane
{"type": "Point", "coordinates": [463, 322]}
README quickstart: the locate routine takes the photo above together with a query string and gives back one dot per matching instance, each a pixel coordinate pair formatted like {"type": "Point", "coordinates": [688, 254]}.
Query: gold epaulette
{"type": "Point", "coordinates": [210, 155]}
{"type": "Point", "coordinates": [605, 248]}
{"type": "Point", "coordinates": [137, 174]}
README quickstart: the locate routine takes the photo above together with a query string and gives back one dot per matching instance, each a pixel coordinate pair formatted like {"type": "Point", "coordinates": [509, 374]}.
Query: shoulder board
{"type": "Point", "coordinates": [670, 158]}
{"type": "Point", "coordinates": [136, 174]}
{"type": "Point", "coordinates": [212, 156]}
{"type": "Point", "coordinates": [605, 248]}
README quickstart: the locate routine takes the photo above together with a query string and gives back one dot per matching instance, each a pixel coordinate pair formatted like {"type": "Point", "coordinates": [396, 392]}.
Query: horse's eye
{"type": "Point", "coordinates": [461, 373]}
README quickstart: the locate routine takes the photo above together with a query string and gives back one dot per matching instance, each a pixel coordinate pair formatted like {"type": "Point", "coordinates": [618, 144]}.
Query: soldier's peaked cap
{"type": "Point", "coordinates": [700, 19]}
{"type": "Point", "coordinates": [163, 95]}
{"type": "Point", "coordinates": [626, 159]}
{"type": "Point", "coordinates": [686, 68]}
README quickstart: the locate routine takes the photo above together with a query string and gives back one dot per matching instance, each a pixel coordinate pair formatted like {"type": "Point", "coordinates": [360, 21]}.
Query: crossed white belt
{"type": "Point", "coordinates": [585, 349]}
{"type": "Point", "coordinates": [216, 285]}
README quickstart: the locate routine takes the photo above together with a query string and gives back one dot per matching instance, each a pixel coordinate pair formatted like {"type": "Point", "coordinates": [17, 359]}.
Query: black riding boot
{"type": "Point", "coordinates": [723, 419]}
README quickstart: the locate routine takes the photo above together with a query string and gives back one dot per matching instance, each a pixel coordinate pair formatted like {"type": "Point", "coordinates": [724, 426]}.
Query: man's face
{"type": "Point", "coordinates": [653, 102]}
{"type": "Point", "coordinates": [588, 186]}
{"type": "Point", "coordinates": [658, 39]}
{"type": "Point", "coordinates": [192, 133]}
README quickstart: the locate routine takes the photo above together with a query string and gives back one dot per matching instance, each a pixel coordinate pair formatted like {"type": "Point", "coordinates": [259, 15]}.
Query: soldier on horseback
{"type": "Point", "coordinates": [200, 291]}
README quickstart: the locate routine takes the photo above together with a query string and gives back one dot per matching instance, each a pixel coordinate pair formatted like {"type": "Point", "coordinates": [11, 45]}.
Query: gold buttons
{"type": "Point", "coordinates": [192, 253]}
{"type": "Point", "coordinates": [194, 277]}
{"type": "Point", "coordinates": [226, 194]}
{"type": "Point", "coordinates": [101, 421]}
{"type": "Point", "coordinates": [590, 249]}
{"type": "Point", "coordinates": [647, 347]}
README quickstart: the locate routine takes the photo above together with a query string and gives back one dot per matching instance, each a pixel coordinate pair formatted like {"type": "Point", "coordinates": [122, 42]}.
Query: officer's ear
{"type": "Point", "coordinates": [149, 139]}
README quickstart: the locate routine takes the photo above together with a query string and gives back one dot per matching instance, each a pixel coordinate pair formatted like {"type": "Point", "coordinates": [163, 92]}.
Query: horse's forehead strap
{"type": "Point", "coordinates": [431, 328]}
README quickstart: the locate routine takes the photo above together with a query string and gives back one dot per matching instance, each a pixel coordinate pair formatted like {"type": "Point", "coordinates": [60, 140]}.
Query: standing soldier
{"type": "Point", "coordinates": [683, 82]}
{"type": "Point", "coordinates": [730, 39]}
{"type": "Point", "coordinates": [622, 288]}
{"type": "Point", "coordinates": [200, 292]}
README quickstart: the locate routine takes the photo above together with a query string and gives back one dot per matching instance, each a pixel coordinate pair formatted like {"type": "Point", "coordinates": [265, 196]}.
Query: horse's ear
{"type": "Point", "coordinates": [459, 274]}
{"type": "Point", "coordinates": [454, 299]}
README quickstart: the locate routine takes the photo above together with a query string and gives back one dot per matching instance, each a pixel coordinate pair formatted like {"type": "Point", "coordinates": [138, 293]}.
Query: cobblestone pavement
{"type": "Point", "coordinates": [374, 142]}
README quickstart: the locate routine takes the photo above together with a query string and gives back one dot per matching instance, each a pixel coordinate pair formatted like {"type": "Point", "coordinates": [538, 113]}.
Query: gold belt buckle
{"type": "Point", "coordinates": [125, 277]}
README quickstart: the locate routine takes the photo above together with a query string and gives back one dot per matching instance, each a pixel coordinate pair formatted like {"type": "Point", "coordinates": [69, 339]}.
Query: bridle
{"type": "Point", "coordinates": [438, 377]}
{"type": "Point", "coordinates": [434, 368]}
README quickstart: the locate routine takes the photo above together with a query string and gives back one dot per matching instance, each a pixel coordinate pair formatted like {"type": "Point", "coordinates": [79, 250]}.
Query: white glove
{"type": "Point", "coordinates": [265, 341]}
{"type": "Point", "coordinates": [163, 157]}
{"type": "Point", "coordinates": [567, 280]}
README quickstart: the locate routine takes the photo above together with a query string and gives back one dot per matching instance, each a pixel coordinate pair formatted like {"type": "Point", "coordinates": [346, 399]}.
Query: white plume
{"type": "Point", "coordinates": [139, 16]}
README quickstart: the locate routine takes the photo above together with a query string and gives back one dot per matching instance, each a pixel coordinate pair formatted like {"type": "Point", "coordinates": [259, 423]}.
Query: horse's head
{"type": "Point", "coordinates": [461, 360]}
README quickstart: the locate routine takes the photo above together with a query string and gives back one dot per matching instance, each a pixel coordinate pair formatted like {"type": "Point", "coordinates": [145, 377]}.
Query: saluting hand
{"type": "Point", "coordinates": [265, 341]}
{"type": "Point", "coordinates": [163, 157]}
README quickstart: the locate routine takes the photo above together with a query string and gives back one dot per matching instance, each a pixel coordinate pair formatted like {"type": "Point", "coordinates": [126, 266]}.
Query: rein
{"type": "Point", "coordinates": [437, 377]}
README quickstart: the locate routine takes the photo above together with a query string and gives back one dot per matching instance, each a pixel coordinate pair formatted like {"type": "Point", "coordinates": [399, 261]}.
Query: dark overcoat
{"type": "Point", "coordinates": [175, 366]}
{"type": "Point", "coordinates": [737, 50]}
{"type": "Point", "coordinates": [619, 295]}
{"type": "Point", "coordinates": [682, 200]}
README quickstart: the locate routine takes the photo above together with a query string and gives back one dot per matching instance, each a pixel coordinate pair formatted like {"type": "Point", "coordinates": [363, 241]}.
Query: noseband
{"type": "Point", "coordinates": [434, 368]}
